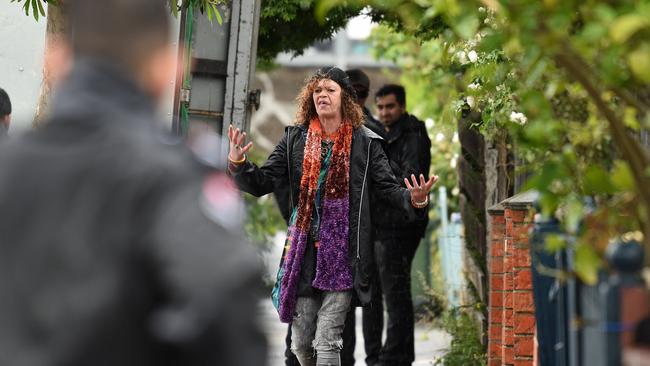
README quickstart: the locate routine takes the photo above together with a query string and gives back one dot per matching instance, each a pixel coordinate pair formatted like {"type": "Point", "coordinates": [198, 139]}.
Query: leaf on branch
{"type": "Point", "coordinates": [622, 176]}
{"type": "Point", "coordinates": [597, 181]}
{"type": "Point", "coordinates": [554, 243]}
{"type": "Point", "coordinates": [217, 15]}
{"type": "Point", "coordinates": [587, 264]}
{"type": "Point", "coordinates": [626, 26]}
{"type": "Point", "coordinates": [639, 61]}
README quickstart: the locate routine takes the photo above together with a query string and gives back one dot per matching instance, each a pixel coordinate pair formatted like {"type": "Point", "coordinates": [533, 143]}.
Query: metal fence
{"type": "Point", "coordinates": [579, 324]}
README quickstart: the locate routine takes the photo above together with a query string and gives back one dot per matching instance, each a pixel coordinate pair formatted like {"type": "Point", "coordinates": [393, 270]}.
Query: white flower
{"type": "Point", "coordinates": [462, 57]}
{"type": "Point", "coordinates": [471, 101]}
{"type": "Point", "coordinates": [473, 56]}
{"type": "Point", "coordinates": [474, 86]}
{"type": "Point", "coordinates": [440, 136]}
{"type": "Point", "coordinates": [429, 123]}
{"type": "Point", "coordinates": [518, 117]}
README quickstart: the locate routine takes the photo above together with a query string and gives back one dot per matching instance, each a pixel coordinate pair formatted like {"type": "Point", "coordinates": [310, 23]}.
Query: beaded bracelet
{"type": "Point", "coordinates": [237, 162]}
{"type": "Point", "coordinates": [420, 204]}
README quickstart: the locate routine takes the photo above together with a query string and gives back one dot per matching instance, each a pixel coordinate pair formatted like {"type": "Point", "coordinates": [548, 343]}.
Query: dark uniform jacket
{"type": "Point", "coordinates": [110, 251]}
{"type": "Point", "coordinates": [408, 148]}
{"type": "Point", "coordinates": [370, 174]}
{"type": "Point", "coordinates": [374, 125]}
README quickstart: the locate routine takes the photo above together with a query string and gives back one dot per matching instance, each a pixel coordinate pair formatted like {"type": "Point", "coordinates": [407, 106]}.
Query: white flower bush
{"type": "Point", "coordinates": [471, 101]}
{"type": "Point", "coordinates": [473, 56]}
{"type": "Point", "coordinates": [518, 117]}
{"type": "Point", "coordinates": [462, 57]}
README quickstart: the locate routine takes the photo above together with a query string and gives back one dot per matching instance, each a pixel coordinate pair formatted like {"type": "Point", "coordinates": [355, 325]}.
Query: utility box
{"type": "Point", "coordinates": [218, 66]}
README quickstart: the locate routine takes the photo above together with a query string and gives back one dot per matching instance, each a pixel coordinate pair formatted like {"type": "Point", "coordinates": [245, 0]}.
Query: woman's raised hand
{"type": "Point", "coordinates": [237, 148]}
{"type": "Point", "coordinates": [420, 190]}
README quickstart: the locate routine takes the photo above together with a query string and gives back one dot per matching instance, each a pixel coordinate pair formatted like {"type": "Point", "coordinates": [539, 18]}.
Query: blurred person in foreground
{"type": "Point", "coordinates": [332, 165]}
{"type": "Point", "coordinates": [5, 113]}
{"type": "Point", "coordinates": [118, 249]}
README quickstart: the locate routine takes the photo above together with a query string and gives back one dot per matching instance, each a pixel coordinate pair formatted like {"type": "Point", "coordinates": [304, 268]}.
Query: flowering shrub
{"type": "Point", "coordinates": [568, 81]}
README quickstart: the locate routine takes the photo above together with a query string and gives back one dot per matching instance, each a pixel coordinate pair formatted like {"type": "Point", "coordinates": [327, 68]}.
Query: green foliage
{"type": "Point", "coordinates": [290, 26]}
{"type": "Point", "coordinates": [263, 219]}
{"type": "Point", "coordinates": [35, 7]}
{"type": "Point", "coordinates": [460, 323]}
{"type": "Point", "coordinates": [208, 7]}
{"type": "Point", "coordinates": [466, 348]}
{"type": "Point", "coordinates": [568, 81]}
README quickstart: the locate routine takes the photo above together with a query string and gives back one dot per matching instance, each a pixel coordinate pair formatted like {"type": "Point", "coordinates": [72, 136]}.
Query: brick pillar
{"type": "Point", "coordinates": [496, 281]}
{"type": "Point", "coordinates": [519, 308]}
{"type": "Point", "coordinates": [508, 334]}
{"type": "Point", "coordinates": [511, 312]}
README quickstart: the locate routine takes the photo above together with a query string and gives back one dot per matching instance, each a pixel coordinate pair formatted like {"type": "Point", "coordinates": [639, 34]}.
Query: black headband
{"type": "Point", "coordinates": [337, 75]}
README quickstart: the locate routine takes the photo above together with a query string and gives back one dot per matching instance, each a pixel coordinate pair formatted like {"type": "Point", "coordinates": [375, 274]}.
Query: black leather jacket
{"type": "Point", "coordinates": [370, 178]}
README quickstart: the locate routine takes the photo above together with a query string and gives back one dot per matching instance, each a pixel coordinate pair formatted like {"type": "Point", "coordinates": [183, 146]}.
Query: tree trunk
{"type": "Point", "coordinates": [52, 61]}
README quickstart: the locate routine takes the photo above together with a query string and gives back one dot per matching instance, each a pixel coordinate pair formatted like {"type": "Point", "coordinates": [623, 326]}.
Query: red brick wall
{"type": "Point", "coordinates": [496, 287]}
{"type": "Point", "coordinates": [511, 328]}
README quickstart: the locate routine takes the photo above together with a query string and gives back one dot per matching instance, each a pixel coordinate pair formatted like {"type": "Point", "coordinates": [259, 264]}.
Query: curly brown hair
{"type": "Point", "coordinates": [350, 110]}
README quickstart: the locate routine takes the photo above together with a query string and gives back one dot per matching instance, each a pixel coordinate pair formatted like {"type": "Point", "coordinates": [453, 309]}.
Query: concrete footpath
{"type": "Point", "coordinates": [430, 343]}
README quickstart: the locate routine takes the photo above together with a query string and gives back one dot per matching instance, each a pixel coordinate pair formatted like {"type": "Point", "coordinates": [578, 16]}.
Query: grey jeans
{"type": "Point", "coordinates": [317, 328]}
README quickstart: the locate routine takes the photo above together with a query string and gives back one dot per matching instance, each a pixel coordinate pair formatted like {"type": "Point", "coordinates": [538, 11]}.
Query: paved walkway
{"type": "Point", "coordinates": [429, 343]}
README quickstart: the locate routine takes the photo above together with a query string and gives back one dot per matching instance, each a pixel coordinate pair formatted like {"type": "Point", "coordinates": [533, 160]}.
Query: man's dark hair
{"type": "Point", "coordinates": [5, 104]}
{"type": "Point", "coordinates": [397, 90]}
{"type": "Point", "coordinates": [360, 82]}
{"type": "Point", "coordinates": [123, 32]}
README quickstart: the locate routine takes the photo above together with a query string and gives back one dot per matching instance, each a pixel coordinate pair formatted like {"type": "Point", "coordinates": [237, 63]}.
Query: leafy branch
{"type": "Point", "coordinates": [35, 7]}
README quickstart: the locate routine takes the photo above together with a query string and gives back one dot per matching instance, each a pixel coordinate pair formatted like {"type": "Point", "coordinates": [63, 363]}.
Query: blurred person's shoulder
{"type": "Point", "coordinates": [197, 165]}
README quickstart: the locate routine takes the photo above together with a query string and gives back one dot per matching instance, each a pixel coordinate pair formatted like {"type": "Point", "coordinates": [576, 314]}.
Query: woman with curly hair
{"type": "Point", "coordinates": [333, 166]}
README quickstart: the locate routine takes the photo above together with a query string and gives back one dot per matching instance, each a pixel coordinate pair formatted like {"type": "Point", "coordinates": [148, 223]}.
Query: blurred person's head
{"type": "Point", "coordinates": [326, 94]}
{"type": "Point", "coordinates": [132, 35]}
{"type": "Point", "coordinates": [5, 109]}
{"type": "Point", "coordinates": [390, 100]}
{"type": "Point", "coordinates": [360, 83]}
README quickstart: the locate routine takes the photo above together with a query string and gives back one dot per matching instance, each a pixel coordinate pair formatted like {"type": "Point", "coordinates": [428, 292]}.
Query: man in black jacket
{"type": "Point", "coordinates": [407, 146]}
{"type": "Point", "coordinates": [116, 247]}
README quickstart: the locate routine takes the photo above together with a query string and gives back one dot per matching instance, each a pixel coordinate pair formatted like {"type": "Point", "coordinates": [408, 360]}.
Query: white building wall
{"type": "Point", "coordinates": [22, 42]}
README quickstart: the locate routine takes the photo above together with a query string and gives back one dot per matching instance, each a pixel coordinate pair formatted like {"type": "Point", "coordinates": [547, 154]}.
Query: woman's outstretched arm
{"type": "Point", "coordinates": [250, 178]}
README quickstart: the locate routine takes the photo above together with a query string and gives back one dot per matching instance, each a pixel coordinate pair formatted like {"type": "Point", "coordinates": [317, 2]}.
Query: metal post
{"type": "Point", "coordinates": [573, 343]}
{"type": "Point", "coordinates": [626, 259]}
{"type": "Point", "coordinates": [442, 236]}
{"type": "Point", "coordinates": [242, 56]}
